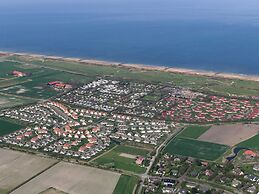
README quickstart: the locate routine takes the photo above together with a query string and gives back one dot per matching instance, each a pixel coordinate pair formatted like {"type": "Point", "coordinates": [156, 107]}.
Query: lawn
{"type": "Point", "coordinates": [7, 127]}
{"type": "Point", "coordinates": [126, 184]}
{"type": "Point", "coordinates": [195, 149]}
{"type": "Point", "coordinates": [252, 143]}
{"type": "Point", "coordinates": [193, 131]}
{"type": "Point", "coordinates": [113, 159]}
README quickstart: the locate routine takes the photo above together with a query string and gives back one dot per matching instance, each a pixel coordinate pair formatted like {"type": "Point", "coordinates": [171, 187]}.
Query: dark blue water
{"type": "Point", "coordinates": [219, 35]}
{"type": "Point", "coordinates": [235, 153]}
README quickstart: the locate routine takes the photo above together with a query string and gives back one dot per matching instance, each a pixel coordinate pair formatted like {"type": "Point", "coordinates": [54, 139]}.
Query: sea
{"type": "Point", "coordinates": [217, 35]}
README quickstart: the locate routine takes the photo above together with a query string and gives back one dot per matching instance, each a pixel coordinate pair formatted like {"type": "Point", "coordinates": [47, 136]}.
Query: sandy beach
{"type": "Point", "coordinates": [139, 66]}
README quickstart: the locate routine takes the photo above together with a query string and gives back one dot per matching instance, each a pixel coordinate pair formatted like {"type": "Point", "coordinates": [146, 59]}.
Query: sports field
{"type": "Point", "coordinates": [7, 127]}
{"type": "Point", "coordinates": [126, 184]}
{"type": "Point", "coordinates": [17, 167]}
{"type": "Point", "coordinates": [72, 179]}
{"type": "Point", "coordinates": [115, 159]}
{"type": "Point", "coordinates": [193, 131]}
{"type": "Point", "coordinates": [195, 149]}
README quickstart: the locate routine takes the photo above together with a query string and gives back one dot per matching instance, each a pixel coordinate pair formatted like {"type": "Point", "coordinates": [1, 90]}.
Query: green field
{"type": "Point", "coordinates": [195, 149]}
{"type": "Point", "coordinates": [125, 185]}
{"type": "Point", "coordinates": [10, 100]}
{"type": "Point", "coordinates": [201, 83]}
{"type": "Point", "coordinates": [193, 131]}
{"type": "Point", "coordinates": [113, 159]}
{"type": "Point", "coordinates": [7, 127]}
{"type": "Point", "coordinates": [252, 143]}
{"type": "Point", "coordinates": [35, 84]}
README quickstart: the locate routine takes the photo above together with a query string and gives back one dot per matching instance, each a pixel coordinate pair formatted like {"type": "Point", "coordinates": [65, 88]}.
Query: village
{"type": "Point", "coordinates": [79, 133]}
{"type": "Point", "coordinates": [89, 121]}
{"type": "Point", "coordinates": [193, 175]}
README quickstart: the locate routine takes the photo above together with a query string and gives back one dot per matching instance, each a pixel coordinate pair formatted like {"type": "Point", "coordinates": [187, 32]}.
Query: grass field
{"type": "Point", "coordinates": [201, 83]}
{"type": "Point", "coordinates": [126, 184]}
{"type": "Point", "coordinates": [252, 143]}
{"type": "Point", "coordinates": [193, 131]}
{"type": "Point", "coordinates": [34, 85]}
{"type": "Point", "coordinates": [7, 127]}
{"type": "Point", "coordinates": [10, 100]}
{"type": "Point", "coordinates": [195, 149]}
{"type": "Point", "coordinates": [114, 159]}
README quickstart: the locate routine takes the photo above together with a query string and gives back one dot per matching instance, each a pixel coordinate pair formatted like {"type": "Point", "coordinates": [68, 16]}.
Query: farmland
{"type": "Point", "coordinates": [18, 167]}
{"type": "Point", "coordinates": [230, 134]}
{"type": "Point", "coordinates": [252, 143]}
{"type": "Point", "coordinates": [114, 159]}
{"type": "Point", "coordinates": [8, 127]}
{"type": "Point", "coordinates": [193, 131]}
{"type": "Point", "coordinates": [126, 184]}
{"type": "Point", "coordinates": [71, 178]}
{"type": "Point", "coordinates": [196, 149]}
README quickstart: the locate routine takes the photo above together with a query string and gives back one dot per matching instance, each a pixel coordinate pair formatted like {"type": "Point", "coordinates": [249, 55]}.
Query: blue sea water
{"type": "Point", "coordinates": [218, 35]}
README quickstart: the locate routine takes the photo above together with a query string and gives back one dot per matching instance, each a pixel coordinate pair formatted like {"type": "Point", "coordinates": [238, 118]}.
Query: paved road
{"type": "Point", "coordinates": [161, 146]}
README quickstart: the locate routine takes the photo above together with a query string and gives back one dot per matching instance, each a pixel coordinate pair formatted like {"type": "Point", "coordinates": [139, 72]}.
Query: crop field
{"type": "Point", "coordinates": [252, 143]}
{"type": "Point", "coordinates": [193, 131]}
{"type": "Point", "coordinates": [201, 83]}
{"type": "Point", "coordinates": [17, 167]}
{"type": "Point", "coordinates": [195, 149]}
{"type": "Point", "coordinates": [71, 178]}
{"type": "Point", "coordinates": [231, 134]}
{"type": "Point", "coordinates": [7, 127]}
{"type": "Point", "coordinates": [114, 159]}
{"type": "Point", "coordinates": [126, 184]}
{"type": "Point", "coordinates": [52, 191]}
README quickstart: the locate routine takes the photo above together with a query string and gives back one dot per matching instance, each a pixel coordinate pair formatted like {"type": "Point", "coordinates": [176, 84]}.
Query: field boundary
{"type": "Point", "coordinates": [36, 175]}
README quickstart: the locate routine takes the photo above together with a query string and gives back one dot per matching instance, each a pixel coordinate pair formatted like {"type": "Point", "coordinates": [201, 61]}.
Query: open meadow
{"type": "Point", "coordinates": [7, 127]}
{"type": "Point", "coordinates": [195, 148]}
{"type": "Point", "coordinates": [72, 179]}
{"type": "Point", "coordinates": [17, 167]}
{"type": "Point", "coordinates": [217, 85]}
{"type": "Point", "coordinates": [13, 100]}
{"type": "Point", "coordinates": [123, 158]}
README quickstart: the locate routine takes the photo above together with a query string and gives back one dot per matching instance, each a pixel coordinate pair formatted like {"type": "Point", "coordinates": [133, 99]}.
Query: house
{"type": "Point", "coordinates": [256, 167]}
{"type": "Point", "coordinates": [169, 182]}
{"type": "Point", "coordinates": [140, 160]}
{"type": "Point", "coordinates": [250, 153]}
{"type": "Point", "coordinates": [18, 74]}
{"type": "Point", "coordinates": [235, 183]}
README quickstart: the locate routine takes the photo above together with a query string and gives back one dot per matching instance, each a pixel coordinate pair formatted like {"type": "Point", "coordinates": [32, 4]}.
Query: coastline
{"type": "Point", "coordinates": [139, 66]}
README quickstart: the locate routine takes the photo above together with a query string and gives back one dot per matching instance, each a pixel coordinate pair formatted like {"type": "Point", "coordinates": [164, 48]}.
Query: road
{"type": "Point", "coordinates": [158, 150]}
